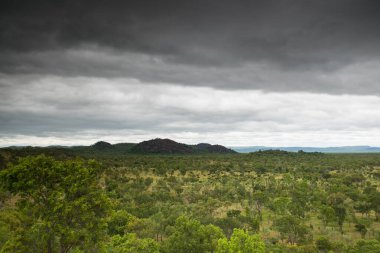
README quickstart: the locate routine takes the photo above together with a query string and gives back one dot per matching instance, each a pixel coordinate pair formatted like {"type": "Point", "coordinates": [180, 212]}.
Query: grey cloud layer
{"type": "Point", "coordinates": [267, 45]}
{"type": "Point", "coordinates": [360, 77]}
{"type": "Point", "coordinates": [36, 109]}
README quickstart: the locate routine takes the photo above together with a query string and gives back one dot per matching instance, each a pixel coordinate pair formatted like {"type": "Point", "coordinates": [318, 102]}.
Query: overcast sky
{"type": "Point", "coordinates": [232, 72]}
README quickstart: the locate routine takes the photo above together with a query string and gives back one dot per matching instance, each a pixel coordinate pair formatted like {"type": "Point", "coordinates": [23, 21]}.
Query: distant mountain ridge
{"type": "Point", "coordinates": [167, 146]}
{"type": "Point", "coordinates": [341, 149]}
{"type": "Point", "coordinates": [154, 146]}
{"type": "Point", "coordinates": [161, 146]}
{"type": "Point", "coordinates": [106, 149]}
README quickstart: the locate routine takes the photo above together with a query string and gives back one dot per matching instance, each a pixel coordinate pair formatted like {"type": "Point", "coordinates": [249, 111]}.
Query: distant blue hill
{"type": "Point", "coordinates": [344, 149]}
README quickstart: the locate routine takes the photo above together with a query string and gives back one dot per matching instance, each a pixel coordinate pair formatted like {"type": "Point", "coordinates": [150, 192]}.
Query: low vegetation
{"type": "Point", "coordinates": [266, 201]}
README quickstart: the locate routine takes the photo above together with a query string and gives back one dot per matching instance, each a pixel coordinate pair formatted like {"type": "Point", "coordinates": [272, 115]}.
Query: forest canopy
{"type": "Point", "coordinates": [268, 201]}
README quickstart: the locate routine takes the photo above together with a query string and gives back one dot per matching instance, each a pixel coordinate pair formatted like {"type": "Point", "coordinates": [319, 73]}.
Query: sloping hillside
{"type": "Point", "coordinates": [167, 146]}
{"type": "Point", "coordinates": [162, 146]}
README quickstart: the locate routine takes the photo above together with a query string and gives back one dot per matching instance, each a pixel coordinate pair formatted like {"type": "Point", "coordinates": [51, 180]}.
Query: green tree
{"type": "Point", "coordinates": [280, 205]}
{"type": "Point", "coordinates": [229, 223]}
{"type": "Point", "coordinates": [61, 203]}
{"type": "Point", "coordinates": [129, 243]}
{"type": "Point", "coordinates": [336, 201]}
{"type": "Point", "coordinates": [323, 244]}
{"type": "Point", "coordinates": [190, 236]}
{"type": "Point", "coordinates": [374, 200]}
{"type": "Point", "coordinates": [291, 228]}
{"type": "Point", "coordinates": [300, 202]}
{"type": "Point", "coordinates": [241, 242]}
{"type": "Point", "coordinates": [361, 228]}
{"type": "Point", "coordinates": [367, 246]}
{"type": "Point", "coordinates": [118, 222]}
{"type": "Point", "coordinates": [260, 198]}
{"type": "Point", "coordinates": [326, 214]}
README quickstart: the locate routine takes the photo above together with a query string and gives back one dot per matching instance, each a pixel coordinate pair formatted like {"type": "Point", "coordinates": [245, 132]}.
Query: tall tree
{"type": "Point", "coordinates": [129, 243]}
{"type": "Point", "coordinates": [241, 242]}
{"type": "Point", "coordinates": [62, 203]}
{"type": "Point", "coordinates": [190, 236]}
{"type": "Point", "coordinates": [291, 228]}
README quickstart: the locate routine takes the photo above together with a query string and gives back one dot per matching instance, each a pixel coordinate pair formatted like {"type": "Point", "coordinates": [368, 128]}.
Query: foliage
{"type": "Point", "coordinates": [323, 244]}
{"type": "Point", "coordinates": [241, 242]}
{"type": "Point", "coordinates": [61, 204]}
{"type": "Point", "coordinates": [295, 202]}
{"type": "Point", "coordinates": [190, 236]}
{"type": "Point", "coordinates": [129, 243]}
{"type": "Point", "coordinates": [367, 246]}
{"type": "Point", "coordinates": [291, 228]}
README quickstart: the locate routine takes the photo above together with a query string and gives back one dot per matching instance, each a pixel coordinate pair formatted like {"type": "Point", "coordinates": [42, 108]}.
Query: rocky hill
{"type": "Point", "coordinates": [162, 146]}
{"type": "Point", "coordinates": [103, 149]}
{"type": "Point", "coordinates": [167, 146]}
{"type": "Point", "coordinates": [102, 145]}
{"type": "Point", "coordinates": [208, 148]}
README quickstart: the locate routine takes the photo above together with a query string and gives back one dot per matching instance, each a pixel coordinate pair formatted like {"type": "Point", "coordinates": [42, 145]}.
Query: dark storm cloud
{"type": "Point", "coordinates": [224, 43]}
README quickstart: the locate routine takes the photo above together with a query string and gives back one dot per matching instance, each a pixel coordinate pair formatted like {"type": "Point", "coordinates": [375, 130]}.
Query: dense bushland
{"type": "Point", "coordinates": [270, 201]}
